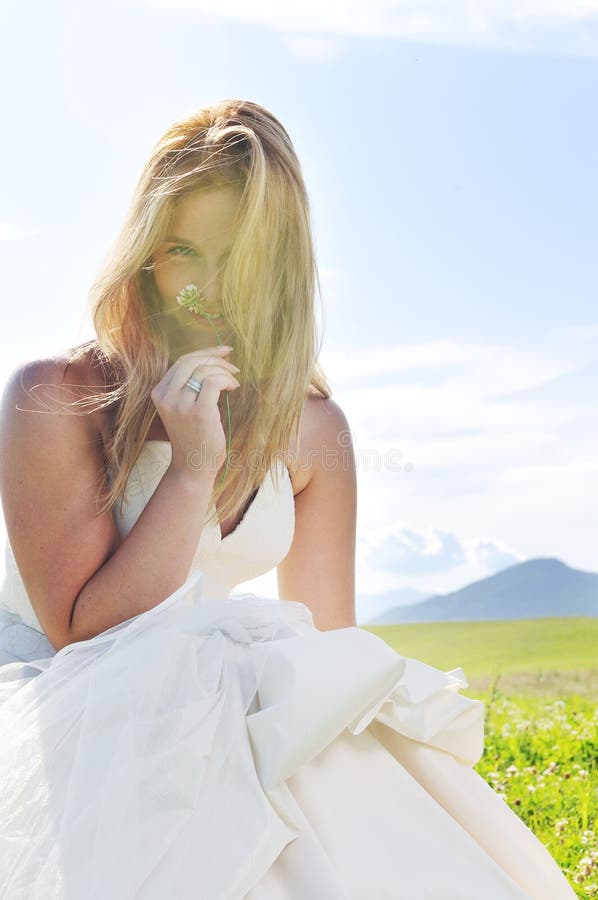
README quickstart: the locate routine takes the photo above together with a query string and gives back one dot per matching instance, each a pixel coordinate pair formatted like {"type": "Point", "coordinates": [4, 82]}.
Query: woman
{"type": "Point", "coordinates": [160, 733]}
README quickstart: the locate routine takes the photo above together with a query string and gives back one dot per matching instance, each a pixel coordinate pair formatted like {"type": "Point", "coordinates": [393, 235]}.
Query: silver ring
{"type": "Point", "coordinates": [195, 385]}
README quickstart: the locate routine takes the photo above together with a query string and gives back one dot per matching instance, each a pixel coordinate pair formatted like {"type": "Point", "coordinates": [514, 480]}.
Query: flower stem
{"type": "Point", "coordinates": [228, 442]}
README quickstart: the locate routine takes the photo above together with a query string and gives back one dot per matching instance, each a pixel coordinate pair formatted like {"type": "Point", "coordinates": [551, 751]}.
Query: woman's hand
{"type": "Point", "coordinates": [191, 420]}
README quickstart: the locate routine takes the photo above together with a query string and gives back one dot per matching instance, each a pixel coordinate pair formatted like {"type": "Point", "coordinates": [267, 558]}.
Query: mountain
{"type": "Point", "coordinates": [368, 606]}
{"type": "Point", "coordinates": [534, 589]}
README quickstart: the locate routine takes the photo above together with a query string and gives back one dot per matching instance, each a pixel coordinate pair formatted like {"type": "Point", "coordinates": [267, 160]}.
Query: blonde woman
{"type": "Point", "coordinates": [163, 735]}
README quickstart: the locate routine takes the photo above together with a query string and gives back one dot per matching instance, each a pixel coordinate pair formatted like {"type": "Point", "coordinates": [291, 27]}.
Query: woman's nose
{"type": "Point", "coordinates": [211, 288]}
{"type": "Point", "coordinates": [211, 293]}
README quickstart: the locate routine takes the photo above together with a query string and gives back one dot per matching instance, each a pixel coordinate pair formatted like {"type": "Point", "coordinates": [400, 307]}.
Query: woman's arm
{"type": "Point", "coordinates": [319, 569]}
{"type": "Point", "coordinates": [81, 578]}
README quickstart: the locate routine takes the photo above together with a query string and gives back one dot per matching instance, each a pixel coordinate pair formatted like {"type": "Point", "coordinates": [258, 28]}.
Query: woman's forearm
{"type": "Point", "coordinates": [152, 561]}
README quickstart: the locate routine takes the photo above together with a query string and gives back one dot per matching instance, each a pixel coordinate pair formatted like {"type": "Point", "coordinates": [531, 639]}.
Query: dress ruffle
{"type": "Point", "coordinates": [128, 761]}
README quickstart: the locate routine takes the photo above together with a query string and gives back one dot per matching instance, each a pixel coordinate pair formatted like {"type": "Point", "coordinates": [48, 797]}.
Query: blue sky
{"type": "Point", "coordinates": [449, 151]}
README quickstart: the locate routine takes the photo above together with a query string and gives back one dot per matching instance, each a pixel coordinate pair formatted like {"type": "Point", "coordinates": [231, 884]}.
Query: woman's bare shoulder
{"type": "Point", "coordinates": [319, 413]}
{"type": "Point", "coordinates": [88, 364]}
{"type": "Point", "coordinates": [46, 383]}
{"type": "Point", "coordinates": [81, 364]}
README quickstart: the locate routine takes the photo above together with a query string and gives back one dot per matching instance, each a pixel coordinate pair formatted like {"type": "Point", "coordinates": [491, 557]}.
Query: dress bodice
{"type": "Point", "coordinates": [240, 555]}
{"type": "Point", "coordinates": [257, 544]}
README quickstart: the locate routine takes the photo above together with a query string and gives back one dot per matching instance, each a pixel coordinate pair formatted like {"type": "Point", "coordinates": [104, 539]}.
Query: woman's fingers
{"type": "Point", "coordinates": [182, 369]}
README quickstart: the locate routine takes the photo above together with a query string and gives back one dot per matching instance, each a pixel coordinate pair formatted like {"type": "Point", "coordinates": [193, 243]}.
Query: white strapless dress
{"type": "Point", "coordinates": [219, 746]}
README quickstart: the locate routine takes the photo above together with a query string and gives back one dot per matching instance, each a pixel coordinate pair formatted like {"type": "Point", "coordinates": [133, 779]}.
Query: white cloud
{"type": "Point", "coordinates": [459, 399]}
{"type": "Point", "coordinates": [373, 360]}
{"type": "Point", "coordinates": [503, 367]}
{"type": "Point", "coordinates": [11, 231]}
{"type": "Point", "coordinates": [499, 440]}
{"type": "Point", "coordinates": [409, 552]}
{"type": "Point", "coordinates": [516, 25]}
{"type": "Point", "coordinates": [428, 559]}
{"type": "Point", "coordinates": [580, 332]}
{"type": "Point", "coordinates": [491, 555]}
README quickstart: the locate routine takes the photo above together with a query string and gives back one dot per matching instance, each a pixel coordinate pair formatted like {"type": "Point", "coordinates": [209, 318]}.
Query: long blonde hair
{"type": "Point", "coordinates": [268, 299]}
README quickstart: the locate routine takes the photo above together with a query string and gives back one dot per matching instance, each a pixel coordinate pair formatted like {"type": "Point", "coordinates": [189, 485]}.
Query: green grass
{"type": "Point", "coordinates": [539, 682]}
{"type": "Point", "coordinates": [544, 657]}
{"type": "Point", "coordinates": [541, 756]}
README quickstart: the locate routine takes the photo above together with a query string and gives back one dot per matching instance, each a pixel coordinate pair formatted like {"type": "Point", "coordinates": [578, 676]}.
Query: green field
{"type": "Point", "coordinates": [539, 682]}
{"type": "Point", "coordinates": [545, 657]}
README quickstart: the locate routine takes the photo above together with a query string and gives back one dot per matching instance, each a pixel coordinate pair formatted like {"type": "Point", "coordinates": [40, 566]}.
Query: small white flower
{"type": "Point", "coordinates": [189, 297]}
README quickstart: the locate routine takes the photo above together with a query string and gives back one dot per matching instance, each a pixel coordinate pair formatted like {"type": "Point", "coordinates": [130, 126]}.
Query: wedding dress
{"type": "Point", "coordinates": [220, 746]}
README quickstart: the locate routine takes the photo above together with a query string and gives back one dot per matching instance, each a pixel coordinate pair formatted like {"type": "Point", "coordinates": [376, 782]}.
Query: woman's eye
{"type": "Point", "coordinates": [186, 249]}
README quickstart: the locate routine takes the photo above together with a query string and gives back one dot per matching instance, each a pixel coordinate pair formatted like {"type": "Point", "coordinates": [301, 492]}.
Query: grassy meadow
{"type": "Point", "coordinates": [538, 679]}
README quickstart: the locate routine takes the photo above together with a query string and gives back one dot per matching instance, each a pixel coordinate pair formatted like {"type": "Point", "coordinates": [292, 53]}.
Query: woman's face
{"type": "Point", "coordinates": [195, 251]}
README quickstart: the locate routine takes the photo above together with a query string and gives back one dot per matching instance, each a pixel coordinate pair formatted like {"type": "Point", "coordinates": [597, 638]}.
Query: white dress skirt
{"type": "Point", "coordinates": [219, 746]}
